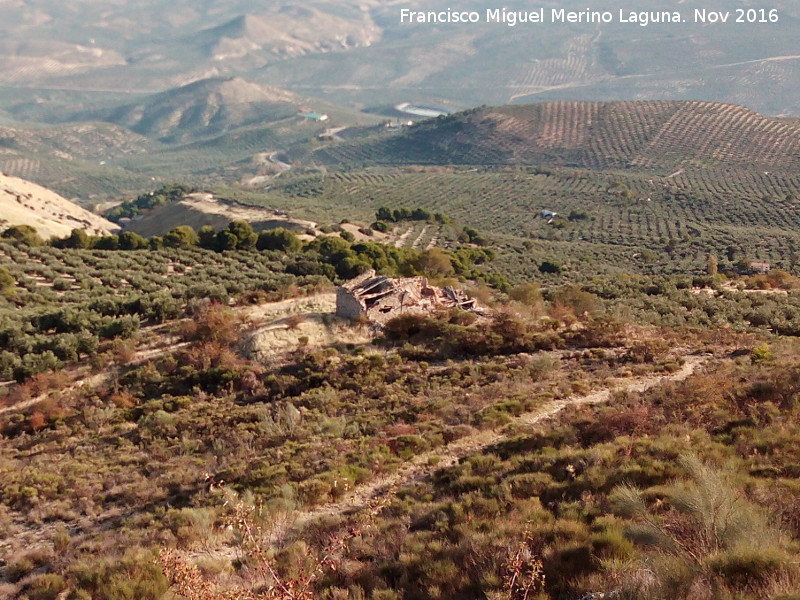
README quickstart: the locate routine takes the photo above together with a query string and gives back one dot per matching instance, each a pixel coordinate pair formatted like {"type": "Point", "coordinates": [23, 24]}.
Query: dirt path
{"type": "Point", "coordinates": [325, 302]}
{"type": "Point", "coordinates": [401, 240]}
{"type": "Point", "coordinates": [435, 239]}
{"type": "Point", "coordinates": [93, 381]}
{"type": "Point", "coordinates": [419, 468]}
{"type": "Point", "coordinates": [273, 158]}
{"type": "Point", "coordinates": [422, 467]}
{"type": "Point", "coordinates": [418, 241]}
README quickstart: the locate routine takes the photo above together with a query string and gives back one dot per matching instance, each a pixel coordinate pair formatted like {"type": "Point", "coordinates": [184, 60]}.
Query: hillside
{"type": "Point", "coordinates": [24, 59]}
{"type": "Point", "coordinates": [25, 203]}
{"type": "Point", "coordinates": [446, 452]}
{"type": "Point", "coordinates": [73, 159]}
{"type": "Point", "coordinates": [198, 210]}
{"type": "Point", "coordinates": [646, 187]}
{"type": "Point", "coordinates": [87, 141]}
{"type": "Point", "coordinates": [202, 108]}
{"type": "Point", "coordinates": [231, 128]}
{"type": "Point", "coordinates": [286, 32]}
{"type": "Point", "coordinates": [360, 54]}
{"type": "Point", "coordinates": [644, 136]}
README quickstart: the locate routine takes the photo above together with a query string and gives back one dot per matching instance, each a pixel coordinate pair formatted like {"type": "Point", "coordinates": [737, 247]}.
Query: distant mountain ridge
{"type": "Point", "coordinates": [647, 136]}
{"type": "Point", "coordinates": [205, 107]}
{"type": "Point", "coordinates": [361, 54]}
{"type": "Point", "coordinates": [289, 31]}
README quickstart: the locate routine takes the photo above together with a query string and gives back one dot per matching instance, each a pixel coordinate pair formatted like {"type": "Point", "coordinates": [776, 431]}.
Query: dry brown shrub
{"type": "Point", "coordinates": [41, 383]}
{"type": "Point", "coordinates": [20, 392]}
{"type": "Point", "coordinates": [123, 400]}
{"type": "Point", "coordinates": [124, 351]}
{"type": "Point", "coordinates": [563, 313]}
{"type": "Point", "coordinates": [54, 407]}
{"type": "Point", "coordinates": [37, 421]}
{"type": "Point", "coordinates": [523, 575]}
{"type": "Point", "coordinates": [203, 355]}
{"type": "Point", "coordinates": [400, 429]}
{"type": "Point", "coordinates": [250, 383]}
{"type": "Point", "coordinates": [38, 385]}
{"type": "Point", "coordinates": [215, 323]}
{"type": "Point", "coordinates": [776, 279]}
{"type": "Point", "coordinates": [256, 540]}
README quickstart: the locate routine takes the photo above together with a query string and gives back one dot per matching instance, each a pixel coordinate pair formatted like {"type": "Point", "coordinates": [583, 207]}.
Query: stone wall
{"type": "Point", "coordinates": [347, 305]}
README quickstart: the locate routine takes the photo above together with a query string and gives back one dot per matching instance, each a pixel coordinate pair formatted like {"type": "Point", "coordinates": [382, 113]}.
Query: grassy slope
{"type": "Point", "coordinates": [306, 432]}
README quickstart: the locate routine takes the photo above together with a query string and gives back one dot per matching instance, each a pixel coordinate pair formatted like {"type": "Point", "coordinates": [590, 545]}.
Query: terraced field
{"type": "Point", "coordinates": [510, 201]}
{"type": "Point", "coordinates": [574, 65]}
{"type": "Point", "coordinates": [648, 136]}
{"type": "Point", "coordinates": [86, 274]}
{"type": "Point", "coordinates": [81, 180]}
{"type": "Point", "coordinates": [668, 222]}
{"type": "Point", "coordinates": [75, 160]}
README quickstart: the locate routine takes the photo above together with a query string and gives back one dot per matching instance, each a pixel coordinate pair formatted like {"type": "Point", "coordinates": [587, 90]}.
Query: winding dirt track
{"type": "Point", "coordinates": [270, 310]}
{"type": "Point", "coordinates": [419, 468]}
{"type": "Point", "coordinates": [93, 381]}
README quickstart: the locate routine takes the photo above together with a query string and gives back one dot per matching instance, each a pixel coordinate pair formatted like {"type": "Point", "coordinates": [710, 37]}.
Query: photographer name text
{"type": "Point", "coordinates": [541, 15]}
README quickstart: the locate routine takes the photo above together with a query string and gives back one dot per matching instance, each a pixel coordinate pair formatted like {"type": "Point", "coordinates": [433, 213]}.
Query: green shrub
{"type": "Point", "coordinates": [23, 234]}
{"type": "Point", "coordinates": [128, 240]}
{"type": "Point", "coordinates": [612, 543]}
{"type": "Point", "coordinates": [527, 293]}
{"type": "Point", "coordinates": [7, 282]}
{"type": "Point", "coordinates": [407, 446]}
{"type": "Point", "coordinates": [279, 239]}
{"type": "Point", "coordinates": [551, 267]}
{"type": "Point", "coordinates": [46, 587]}
{"type": "Point", "coordinates": [748, 565]}
{"type": "Point", "coordinates": [134, 576]}
{"type": "Point", "coordinates": [19, 568]}
{"type": "Point", "coordinates": [762, 354]}
{"type": "Point", "coordinates": [182, 236]}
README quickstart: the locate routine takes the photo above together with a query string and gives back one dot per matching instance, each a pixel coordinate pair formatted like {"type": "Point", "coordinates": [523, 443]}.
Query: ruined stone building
{"type": "Point", "coordinates": [379, 298]}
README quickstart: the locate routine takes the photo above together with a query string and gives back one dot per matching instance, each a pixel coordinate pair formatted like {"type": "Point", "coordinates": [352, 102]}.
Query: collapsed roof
{"type": "Point", "coordinates": [380, 298]}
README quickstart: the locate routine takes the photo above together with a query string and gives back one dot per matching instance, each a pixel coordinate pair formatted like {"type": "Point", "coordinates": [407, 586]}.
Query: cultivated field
{"type": "Point", "coordinates": [644, 136]}
{"type": "Point", "coordinates": [651, 223]}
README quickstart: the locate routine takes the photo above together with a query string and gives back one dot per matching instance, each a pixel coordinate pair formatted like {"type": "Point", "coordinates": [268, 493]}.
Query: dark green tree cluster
{"type": "Point", "coordinates": [78, 239]}
{"type": "Point", "coordinates": [470, 235]}
{"type": "Point", "coordinates": [23, 234]}
{"type": "Point", "coordinates": [550, 267]}
{"type": "Point", "coordinates": [344, 260]}
{"type": "Point", "coordinates": [239, 235]}
{"type": "Point", "coordinates": [397, 215]}
{"type": "Point", "coordinates": [164, 195]}
{"type": "Point", "coordinates": [331, 256]}
{"type": "Point", "coordinates": [280, 240]}
{"type": "Point", "coordinates": [577, 215]}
